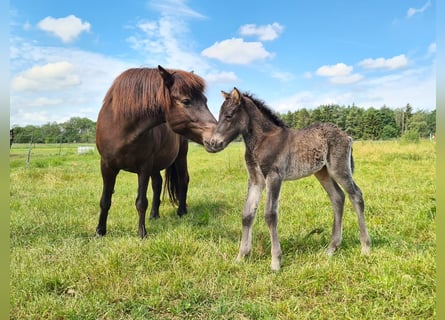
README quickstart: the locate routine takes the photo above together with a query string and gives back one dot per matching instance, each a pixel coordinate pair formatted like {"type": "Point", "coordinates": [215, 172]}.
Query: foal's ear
{"type": "Point", "coordinates": [225, 95]}
{"type": "Point", "coordinates": [235, 95]}
{"type": "Point", "coordinates": [166, 76]}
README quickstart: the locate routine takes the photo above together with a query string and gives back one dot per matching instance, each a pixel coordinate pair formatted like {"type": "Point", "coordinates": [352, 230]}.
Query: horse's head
{"type": "Point", "coordinates": [230, 123]}
{"type": "Point", "coordinates": [187, 113]}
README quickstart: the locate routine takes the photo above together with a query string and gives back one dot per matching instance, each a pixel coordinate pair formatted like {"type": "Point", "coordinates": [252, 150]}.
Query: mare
{"type": "Point", "coordinates": [143, 127]}
{"type": "Point", "coordinates": [275, 153]}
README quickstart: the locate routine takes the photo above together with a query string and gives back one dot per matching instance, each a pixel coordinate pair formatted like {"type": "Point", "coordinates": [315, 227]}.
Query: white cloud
{"type": "Point", "coordinates": [221, 77]}
{"type": "Point", "coordinates": [339, 73]}
{"type": "Point", "coordinates": [166, 42]}
{"type": "Point", "coordinates": [264, 33]}
{"type": "Point", "coordinates": [44, 102]}
{"type": "Point", "coordinates": [339, 69]}
{"type": "Point", "coordinates": [51, 76]}
{"type": "Point", "coordinates": [412, 11]}
{"type": "Point", "coordinates": [393, 63]}
{"type": "Point", "coordinates": [282, 76]}
{"type": "Point", "coordinates": [175, 8]}
{"type": "Point", "coordinates": [53, 84]}
{"type": "Point", "coordinates": [348, 79]}
{"type": "Point", "coordinates": [237, 51]}
{"type": "Point", "coordinates": [414, 86]}
{"type": "Point", "coordinates": [67, 29]}
{"type": "Point", "coordinates": [432, 48]}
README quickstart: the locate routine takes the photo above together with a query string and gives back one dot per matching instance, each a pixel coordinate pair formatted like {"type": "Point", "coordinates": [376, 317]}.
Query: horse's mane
{"type": "Point", "coordinates": [265, 110]}
{"type": "Point", "coordinates": [140, 92]}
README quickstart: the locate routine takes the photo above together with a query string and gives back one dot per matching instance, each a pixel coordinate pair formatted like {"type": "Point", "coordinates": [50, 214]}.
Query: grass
{"type": "Point", "coordinates": [185, 269]}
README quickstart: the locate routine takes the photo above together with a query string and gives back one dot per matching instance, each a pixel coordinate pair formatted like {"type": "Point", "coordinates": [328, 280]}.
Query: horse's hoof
{"type": "Point", "coordinates": [100, 232]}
{"type": "Point", "coordinates": [181, 213]}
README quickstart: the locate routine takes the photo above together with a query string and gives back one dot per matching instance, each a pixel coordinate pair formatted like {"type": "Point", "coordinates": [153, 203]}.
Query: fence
{"type": "Point", "coordinates": [34, 151]}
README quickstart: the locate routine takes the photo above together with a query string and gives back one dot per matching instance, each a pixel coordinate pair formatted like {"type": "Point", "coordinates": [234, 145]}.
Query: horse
{"type": "Point", "coordinates": [274, 153]}
{"type": "Point", "coordinates": [143, 127]}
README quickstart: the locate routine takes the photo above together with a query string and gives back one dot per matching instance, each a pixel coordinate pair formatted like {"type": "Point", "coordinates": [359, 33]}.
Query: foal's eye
{"type": "Point", "coordinates": [228, 117]}
{"type": "Point", "coordinates": [187, 102]}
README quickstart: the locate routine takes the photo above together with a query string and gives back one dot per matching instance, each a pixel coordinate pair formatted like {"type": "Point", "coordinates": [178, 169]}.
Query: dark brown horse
{"type": "Point", "coordinates": [143, 125]}
{"type": "Point", "coordinates": [275, 153]}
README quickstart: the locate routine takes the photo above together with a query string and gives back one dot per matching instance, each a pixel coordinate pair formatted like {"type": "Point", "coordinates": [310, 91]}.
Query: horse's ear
{"type": "Point", "coordinates": [236, 95]}
{"type": "Point", "coordinates": [166, 76]}
{"type": "Point", "coordinates": [225, 95]}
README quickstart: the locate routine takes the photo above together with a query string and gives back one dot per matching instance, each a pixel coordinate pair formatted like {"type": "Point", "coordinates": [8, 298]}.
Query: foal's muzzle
{"type": "Point", "coordinates": [214, 145]}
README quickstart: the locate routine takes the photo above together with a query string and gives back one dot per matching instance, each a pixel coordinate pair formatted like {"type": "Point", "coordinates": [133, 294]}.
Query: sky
{"type": "Point", "coordinates": [64, 55]}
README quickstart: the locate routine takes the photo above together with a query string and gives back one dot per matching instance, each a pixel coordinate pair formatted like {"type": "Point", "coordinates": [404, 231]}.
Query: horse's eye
{"type": "Point", "coordinates": [186, 102]}
{"type": "Point", "coordinates": [228, 117]}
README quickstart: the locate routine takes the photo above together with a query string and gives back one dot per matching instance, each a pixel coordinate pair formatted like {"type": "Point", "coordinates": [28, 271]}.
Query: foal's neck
{"type": "Point", "coordinates": [257, 127]}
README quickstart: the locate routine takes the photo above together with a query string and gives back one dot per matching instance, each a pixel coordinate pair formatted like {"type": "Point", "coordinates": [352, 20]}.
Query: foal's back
{"type": "Point", "coordinates": [314, 147]}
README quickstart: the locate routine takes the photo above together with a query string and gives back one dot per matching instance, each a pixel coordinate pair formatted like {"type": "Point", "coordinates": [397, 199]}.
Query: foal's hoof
{"type": "Point", "coordinates": [330, 251]}
{"type": "Point", "coordinates": [366, 251]}
{"type": "Point", "coordinates": [275, 266]}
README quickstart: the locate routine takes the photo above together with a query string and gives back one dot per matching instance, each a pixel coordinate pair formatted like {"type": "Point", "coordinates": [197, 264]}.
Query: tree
{"type": "Point", "coordinates": [354, 121]}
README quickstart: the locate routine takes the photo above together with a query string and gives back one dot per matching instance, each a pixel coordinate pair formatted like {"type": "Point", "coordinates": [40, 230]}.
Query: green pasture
{"type": "Point", "coordinates": [185, 269]}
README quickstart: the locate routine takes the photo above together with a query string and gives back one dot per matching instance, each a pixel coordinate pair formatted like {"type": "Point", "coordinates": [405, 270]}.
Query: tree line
{"type": "Point", "coordinates": [75, 130]}
{"type": "Point", "coordinates": [362, 124]}
{"type": "Point", "coordinates": [368, 124]}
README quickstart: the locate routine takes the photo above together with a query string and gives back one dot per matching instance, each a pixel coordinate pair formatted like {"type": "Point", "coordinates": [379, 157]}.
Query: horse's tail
{"type": "Point", "coordinates": [176, 175]}
{"type": "Point", "coordinates": [171, 183]}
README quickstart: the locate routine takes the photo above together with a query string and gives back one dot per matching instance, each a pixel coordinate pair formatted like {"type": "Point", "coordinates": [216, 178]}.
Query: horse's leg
{"type": "Point", "coordinates": [337, 198]}
{"type": "Point", "coordinates": [109, 180]}
{"type": "Point", "coordinates": [142, 201]}
{"type": "Point", "coordinates": [356, 198]}
{"type": "Point", "coordinates": [183, 176]}
{"type": "Point", "coordinates": [255, 188]}
{"type": "Point", "coordinates": [273, 185]}
{"type": "Point", "coordinates": [156, 185]}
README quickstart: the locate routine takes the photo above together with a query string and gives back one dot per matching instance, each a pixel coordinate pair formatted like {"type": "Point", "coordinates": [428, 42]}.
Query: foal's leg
{"type": "Point", "coordinates": [273, 185]}
{"type": "Point", "coordinates": [356, 197]}
{"type": "Point", "coordinates": [109, 180]}
{"type": "Point", "coordinates": [156, 185]}
{"type": "Point", "coordinates": [255, 188]}
{"type": "Point", "coordinates": [337, 198]}
{"type": "Point", "coordinates": [142, 201]}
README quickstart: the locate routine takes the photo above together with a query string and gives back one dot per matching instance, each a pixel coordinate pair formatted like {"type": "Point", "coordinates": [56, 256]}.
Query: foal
{"type": "Point", "coordinates": [275, 153]}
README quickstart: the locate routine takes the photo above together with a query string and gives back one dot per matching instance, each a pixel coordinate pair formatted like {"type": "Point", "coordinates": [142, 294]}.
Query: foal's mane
{"type": "Point", "coordinates": [140, 92]}
{"type": "Point", "coordinates": [265, 110]}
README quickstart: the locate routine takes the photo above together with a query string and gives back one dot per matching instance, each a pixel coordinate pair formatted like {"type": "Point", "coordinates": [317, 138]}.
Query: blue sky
{"type": "Point", "coordinates": [293, 54]}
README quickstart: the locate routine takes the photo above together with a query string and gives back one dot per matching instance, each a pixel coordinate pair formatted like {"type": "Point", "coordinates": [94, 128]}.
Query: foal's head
{"type": "Point", "coordinates": [232, 121]}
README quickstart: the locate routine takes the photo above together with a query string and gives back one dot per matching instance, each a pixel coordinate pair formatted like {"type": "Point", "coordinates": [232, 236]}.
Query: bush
{"type": "Point", "coordinates": [410, 136]}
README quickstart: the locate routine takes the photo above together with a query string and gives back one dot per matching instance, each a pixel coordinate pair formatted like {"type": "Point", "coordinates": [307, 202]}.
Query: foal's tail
{"type": "Point", "coordinates": [351, 158]}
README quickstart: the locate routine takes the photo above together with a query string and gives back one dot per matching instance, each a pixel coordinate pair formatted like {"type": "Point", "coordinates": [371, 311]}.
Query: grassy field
{"type": "Point", "coordinates": [185, 269]}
